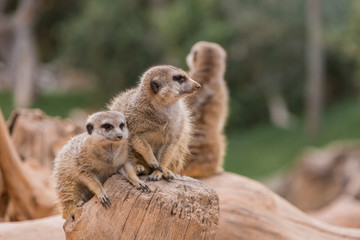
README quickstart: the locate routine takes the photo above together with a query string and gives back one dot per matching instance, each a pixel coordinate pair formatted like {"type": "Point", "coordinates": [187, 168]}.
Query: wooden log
{"type": "Point", "coordinates": [344, 211]}
{"type": "Point", "coordinates": [39, 229]}
{"type": "Point", "coordinates": [322, 175]}
{"type": "Point", "coordinates": [183, 208]}
{"type": "Point", "coordinates": [38, 136]}
{"type": "Point", "coordinates": [29, 188]}
{"type": "Point", "coordinates": [248, 210]}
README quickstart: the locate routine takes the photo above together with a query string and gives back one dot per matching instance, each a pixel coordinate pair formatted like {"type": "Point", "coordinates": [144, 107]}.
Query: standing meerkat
{"type": "Point", "coordinates": [159, 120]}
{"type": "Point", "coordinates": [209, 107]}
{"type": "Point", "coordinates": [87, 160]}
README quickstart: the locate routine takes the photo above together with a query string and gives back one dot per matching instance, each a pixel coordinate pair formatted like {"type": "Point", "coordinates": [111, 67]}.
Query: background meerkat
{"type": "Point", "coordinates": [159, 120]}
{"type": "Point", "coordinates": [209, 108]}
{"type": "Point", "coordinates": [87, 160]}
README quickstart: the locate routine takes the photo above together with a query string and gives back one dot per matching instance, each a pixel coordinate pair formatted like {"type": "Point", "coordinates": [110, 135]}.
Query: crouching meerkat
{"type": "Point", "coordinates": [159, 120]}
{"type": "Point", "coordinates": [87, 160]}
{"type": "Point", "coordinates": [209, 108]}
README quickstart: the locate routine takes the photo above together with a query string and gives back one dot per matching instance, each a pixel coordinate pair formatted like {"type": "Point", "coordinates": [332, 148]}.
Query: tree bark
{"type": "Point", "coordinates": [184, 208]}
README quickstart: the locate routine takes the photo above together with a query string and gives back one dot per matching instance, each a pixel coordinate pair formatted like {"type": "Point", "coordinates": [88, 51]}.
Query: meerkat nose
{"type": "Point", "coordinates": [198, 86]}
{"type": "Point", "coordinates": [119, 136]}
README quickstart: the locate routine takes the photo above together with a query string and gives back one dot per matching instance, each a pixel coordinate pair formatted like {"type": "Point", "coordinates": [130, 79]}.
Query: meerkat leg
{"type": "Point", "coordinates": [165, 159]}
{"type": "Point", "coordinates": [168, 157]}
{"type": "Point", "coordinates": [145, 150]}
{"type": "Point", "coordinates": [128, 172]}
{"type": "Point", "coordinates": [94, 185]}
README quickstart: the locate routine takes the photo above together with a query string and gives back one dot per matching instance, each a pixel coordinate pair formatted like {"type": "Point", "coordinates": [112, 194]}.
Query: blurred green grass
{"type": "Point", "coordinates": [264, 150]}
{"type": "Point", "coordinates": [255, 152]}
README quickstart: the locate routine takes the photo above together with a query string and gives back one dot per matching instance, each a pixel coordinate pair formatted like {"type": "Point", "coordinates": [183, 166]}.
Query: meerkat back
{"type": "Point", "coordinates": [209, 108]}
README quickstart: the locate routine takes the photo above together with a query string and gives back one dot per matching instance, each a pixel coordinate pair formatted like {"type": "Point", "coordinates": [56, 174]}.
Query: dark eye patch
{"type": "Point", "coordinates": [122, 125]}
{"type": "Point", "coordinates": [107, 126]}
{"type": "Point", "coordinates": [179, 78]}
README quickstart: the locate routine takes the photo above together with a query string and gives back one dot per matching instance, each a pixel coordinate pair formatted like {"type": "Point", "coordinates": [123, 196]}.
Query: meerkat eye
{"type": "Point", "coordinates": [107, 126]}
{"type": "Point", "coordinates": [179, 78]}
{"type": "Point", "coordinates": [122, 125]}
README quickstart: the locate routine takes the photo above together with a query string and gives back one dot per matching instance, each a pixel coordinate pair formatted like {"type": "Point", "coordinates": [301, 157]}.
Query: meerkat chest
{"type": "Point", "coordinates": [159, 135]}
{"type": "Point", "coordinates": [112, 156]}
{"type": "Point", "coordinates": [164, 134]}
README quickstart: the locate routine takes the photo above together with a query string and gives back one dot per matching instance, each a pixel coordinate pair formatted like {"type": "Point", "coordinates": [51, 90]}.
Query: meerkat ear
{"type": "Point", "coordinates": [89, 127]}
{"type": "Point", "coordinates": [155, 86]}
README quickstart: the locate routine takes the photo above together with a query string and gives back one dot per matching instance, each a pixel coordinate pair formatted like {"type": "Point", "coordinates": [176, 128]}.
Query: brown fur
{"type": "Point", "coordinates": [87, 160]}
{"type": "Point", "coordinates": [209, 108]}
{"type": "Point", "coordinates": [159, 120]}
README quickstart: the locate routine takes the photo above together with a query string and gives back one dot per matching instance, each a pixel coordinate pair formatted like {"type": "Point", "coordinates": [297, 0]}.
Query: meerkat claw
{"type": "Point", "coordinates": [144, 187]}
{"type": "Point", "coordinates": [159, 168]}
{"type": "Point", "coordinates": [149, 179]}
{"type": "Point", "coordinates": [105, 201]}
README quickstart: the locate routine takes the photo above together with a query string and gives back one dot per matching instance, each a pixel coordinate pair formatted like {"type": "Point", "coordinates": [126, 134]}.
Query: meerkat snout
{"type": "Point", "coordinates": [198, 86]}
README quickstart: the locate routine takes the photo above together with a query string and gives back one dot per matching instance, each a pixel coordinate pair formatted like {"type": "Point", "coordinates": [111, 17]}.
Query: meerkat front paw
{"type": "Point", "coordinates": [105, 201]}
{"type": "Point", "coordinates": [168, 175]}
{"type": "Point", "coordinates": [155, 176]}
{"type": "Point", "coordinates": [141, 185]}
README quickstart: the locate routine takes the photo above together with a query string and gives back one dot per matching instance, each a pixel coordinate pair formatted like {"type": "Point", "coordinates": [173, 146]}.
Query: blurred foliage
{"type": "Point", "coordinates": [265, 41]}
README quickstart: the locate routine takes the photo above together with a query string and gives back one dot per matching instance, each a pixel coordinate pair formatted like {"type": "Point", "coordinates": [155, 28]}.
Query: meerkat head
{"type": "Point", "coordinates": [107, 126]}
{"type": "Point", "coordinates": [205, 54]}
{"type": "Point", "coordinates": [167, 84]}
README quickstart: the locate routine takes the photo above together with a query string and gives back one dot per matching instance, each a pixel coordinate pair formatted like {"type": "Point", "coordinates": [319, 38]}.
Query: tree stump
{"type": "Point", "coordinates": [26, 187]}
{"type": "Point", "coordinates": [248, 210]}
{"type": "Point", "coordinates": [183, 208]}
{"type": "Point", "coordinates": [38, 136]}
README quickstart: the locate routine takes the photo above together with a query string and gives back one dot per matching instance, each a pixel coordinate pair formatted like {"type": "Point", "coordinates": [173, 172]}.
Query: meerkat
{"type": "Point", "coordinates": [87, 160]}
{"type": "Point", "coordinates": [209, 109]}
{"type": "Point", "coordinates": [159, 120]}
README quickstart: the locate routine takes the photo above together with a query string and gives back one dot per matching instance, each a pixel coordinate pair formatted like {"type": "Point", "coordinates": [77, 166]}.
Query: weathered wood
{"type": "Point", "coordinates": [28, 186]}
{"type": "Point", "coordinates": [344, 211]}
{"type": "Point", "coordinates": [322, 175]}
{"type": "Point", "coordinates": [184, 208]}
{"type": "Point", "coordinates": [40, 229]}
{"type": "Point", "coordinates": [38, 136]}
{"type": "Point", "coordinates": [248, 210]}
